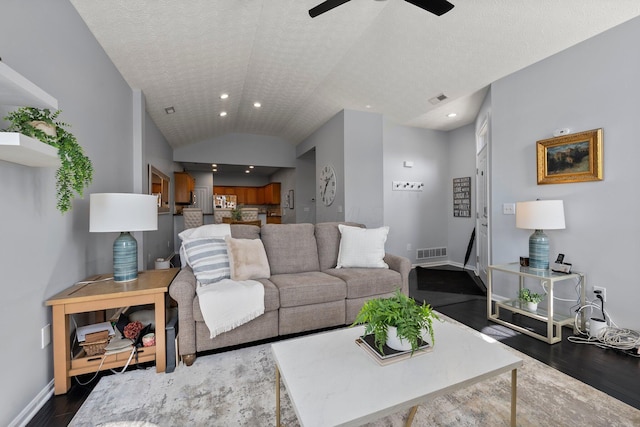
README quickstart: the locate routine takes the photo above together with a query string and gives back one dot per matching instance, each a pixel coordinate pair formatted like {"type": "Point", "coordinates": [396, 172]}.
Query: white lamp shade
{"type": "Point", "coordinates": [540, 215]}
{"type": "Point", "coordinates": [118, 212]}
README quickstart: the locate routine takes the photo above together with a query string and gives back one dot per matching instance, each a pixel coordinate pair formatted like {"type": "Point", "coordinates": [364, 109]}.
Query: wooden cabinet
{"type": "Point", "coordinates": [184, 186]}
{"type": "Point", "coordinates": [150, 287]}
{"type": "Point", "coordinates": [272, 194]}
{"type": "Point", "coordinates": [267, 195]}
{"type": "Point", "coordinates": [241, 194]}
{"type": "Point", "coordinates": [251, 195]}
{"type": "Point", "coordinates": [274, 220]}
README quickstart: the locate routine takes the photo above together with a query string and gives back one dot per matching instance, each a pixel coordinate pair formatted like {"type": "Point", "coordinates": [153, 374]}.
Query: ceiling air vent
{"type": "Point", "coordinates": [437, 99]}
{"type": "Point", "coordinates": [431, 253]}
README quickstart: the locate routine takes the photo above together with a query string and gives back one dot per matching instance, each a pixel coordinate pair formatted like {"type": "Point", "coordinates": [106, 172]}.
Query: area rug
{"type": "Point", "coordinates": [237, 388]}
{"type": "Point", "coordinates": [450, 281]}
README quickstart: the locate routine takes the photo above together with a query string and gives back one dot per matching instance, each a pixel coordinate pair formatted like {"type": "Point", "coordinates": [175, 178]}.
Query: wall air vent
{"type": "Point", "coordinates": [438, 99]}
{"type": "Point", "coordinates": [431, 253]}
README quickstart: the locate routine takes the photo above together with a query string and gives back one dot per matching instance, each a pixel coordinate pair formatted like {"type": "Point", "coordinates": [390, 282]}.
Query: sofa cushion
{"type": "Point", "coordinates": [271, 300]}
{"type": "Point", "coordinates": [311, 287]}
{"type": "Point", "coordinates": [291, 248]}
{"type": "Point", "coordinates": [209, 230]}
{"type": "Point", "coordinates": [245, 231]}
{"type": "Point", "coordinates": [208, 258]}
{"type": "Point", "coordinates": [361, 247]}
{"type": "Point", "coordinates": [247, 259]}
{"type": "Point", "coordinates": [364, 282]}
{"type": "Point", "coordinates": [328, 238]}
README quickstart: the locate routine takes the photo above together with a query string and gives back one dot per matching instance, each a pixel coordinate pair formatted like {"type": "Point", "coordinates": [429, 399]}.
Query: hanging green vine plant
{"type": "Point", "coordinates": [76, 171]}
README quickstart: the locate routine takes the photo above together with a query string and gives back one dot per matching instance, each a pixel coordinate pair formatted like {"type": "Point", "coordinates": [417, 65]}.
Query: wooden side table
{"type": "Point", "coordinates": [150, 287]}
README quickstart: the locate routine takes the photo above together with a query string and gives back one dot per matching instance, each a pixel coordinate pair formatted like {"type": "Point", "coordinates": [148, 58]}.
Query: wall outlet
{"type": "Point", "coordinates": [408, 246]}
{"type": "Point", "coordinates": [45, 335]}
{"type": "Point", "coordinates": [603, 290]}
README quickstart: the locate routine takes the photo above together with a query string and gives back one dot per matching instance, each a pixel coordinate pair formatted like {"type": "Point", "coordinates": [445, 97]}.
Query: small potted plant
{"type": "Point", "coordinates": [398, 321]}
{"type": "Point", "coordinates": [530, 299]}
{"type": "Point", "coordinates": [76, 171]}
{"type": "Point", "coordinates": [236, 213]}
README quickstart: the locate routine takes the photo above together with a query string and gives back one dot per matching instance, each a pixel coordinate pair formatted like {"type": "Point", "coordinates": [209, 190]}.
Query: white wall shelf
{"type": "Point", "coordinates": [16, 90]}
{"type": "Point", "coordinates": [24, 150]}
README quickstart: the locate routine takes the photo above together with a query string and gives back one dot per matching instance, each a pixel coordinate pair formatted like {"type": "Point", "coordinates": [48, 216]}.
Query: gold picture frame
{"type": "Point", "coordinates": [570, 158]}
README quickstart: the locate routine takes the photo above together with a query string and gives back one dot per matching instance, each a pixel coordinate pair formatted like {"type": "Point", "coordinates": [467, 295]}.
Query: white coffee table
{"type": "Point", "coordinates": [331, 381]}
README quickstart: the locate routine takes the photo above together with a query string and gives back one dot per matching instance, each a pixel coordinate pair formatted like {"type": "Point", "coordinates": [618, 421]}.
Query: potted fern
{"type": "Point", "coordinates": [76, 170]}
{"type": "Point", "coordinates": [398, 321]}
{"type": "Point", "coordinates": [530, 299]}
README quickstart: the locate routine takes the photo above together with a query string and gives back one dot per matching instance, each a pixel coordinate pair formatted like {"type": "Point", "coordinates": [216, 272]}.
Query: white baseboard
{"type": "Point", "coordinates": [33, 407]}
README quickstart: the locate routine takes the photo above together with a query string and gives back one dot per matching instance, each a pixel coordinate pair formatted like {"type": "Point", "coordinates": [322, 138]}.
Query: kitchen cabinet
{"type": "Point", "coordinates": [16, 90]}
{"type": "Point", "coordinates": [272, 193]}
{"type": "Point", "coordinates": [184, 186]}
{"type": "Point", "coordinates": [266, 195]}
{"type": "Point", "coordinates": [274, 220]}
{"type": "Point", "coordinates": [251, 195]}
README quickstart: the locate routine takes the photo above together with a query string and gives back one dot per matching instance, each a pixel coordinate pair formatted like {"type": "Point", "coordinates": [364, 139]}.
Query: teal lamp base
{"type": "Point", "coordinates": [539, 251]}
{"type": "Point", "coordinates": [125, 258]}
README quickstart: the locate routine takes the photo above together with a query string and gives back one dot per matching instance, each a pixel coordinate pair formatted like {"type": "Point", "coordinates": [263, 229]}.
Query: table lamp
{"type": "Point", "coordinates": [123, 213]}
{"type": "Point", "coordinates": [538, 215]}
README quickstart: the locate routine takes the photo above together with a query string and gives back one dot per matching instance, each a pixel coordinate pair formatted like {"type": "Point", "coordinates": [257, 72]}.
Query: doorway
{"type": "Point", "coordinates": [483, 220]}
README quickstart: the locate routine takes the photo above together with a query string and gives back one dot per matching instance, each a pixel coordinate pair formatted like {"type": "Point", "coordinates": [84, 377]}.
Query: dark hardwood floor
{"type": "Point", "coordinates": [610, 371]}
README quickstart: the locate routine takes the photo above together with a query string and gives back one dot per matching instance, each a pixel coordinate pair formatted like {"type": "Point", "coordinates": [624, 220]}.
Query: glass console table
{"type": "Point", "coordinates": [547, 278]}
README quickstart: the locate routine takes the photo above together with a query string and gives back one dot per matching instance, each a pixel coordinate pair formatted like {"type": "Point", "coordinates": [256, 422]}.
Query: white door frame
{"type": "Point", "coordinates": [483, 207]}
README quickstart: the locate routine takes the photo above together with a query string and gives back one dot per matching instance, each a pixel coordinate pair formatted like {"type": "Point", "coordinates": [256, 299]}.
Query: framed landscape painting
{"type": "Point", "coordinates": [570, 158]}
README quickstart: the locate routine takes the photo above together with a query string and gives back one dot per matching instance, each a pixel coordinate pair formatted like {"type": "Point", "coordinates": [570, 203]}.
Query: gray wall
{"type": "Point", "coordinates": [592, 85]}
{"type": "Point", "coordinates": [44, 251]}
{"type": "Point", "coordinates": [363, 153]}
{"type": "Point", "coordinates": [239, 149]}
{"type": "Point", "coordinates": [158, 152]}
{"type": "Point", "coordinates": [305, 194]}
{"type": "Point", "coordinates": [328, 142]}
{"type": "Point", "coordinates": [417, 219]}
{"type": "Point", "coordinates": [287, 179]}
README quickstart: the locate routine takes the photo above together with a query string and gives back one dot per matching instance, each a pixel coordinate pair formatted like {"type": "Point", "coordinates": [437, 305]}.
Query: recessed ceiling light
{"type": "Point", "coordinates": [214, 170]}
{"type": "Point", "coordinates": [169, 110]}
{"type": "Point", "coordinates": [452, 115]}
{"type": "Point", "coordinates": [224, 96]}
{"type": "Point", "coordinates": [250, 167]}
{"type": "Point", "coordinates": [257, 104]}
{"type": "Point", "coordinates": [213, 165]}
{"type": "Point", "coordinates": [223, 113]}
{"type": "Point", "coordinates": [247, 171]}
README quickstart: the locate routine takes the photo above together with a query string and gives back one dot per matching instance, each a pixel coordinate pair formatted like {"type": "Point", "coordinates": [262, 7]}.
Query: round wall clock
{"type": "Point", "coordinates": [328, 185]}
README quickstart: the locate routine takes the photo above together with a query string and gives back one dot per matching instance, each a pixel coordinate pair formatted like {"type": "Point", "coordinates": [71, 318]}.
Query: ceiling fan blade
{"type": "Point", "coordinates": [325, 7]}
{"type": "Point", "coordinates": [437, 7]}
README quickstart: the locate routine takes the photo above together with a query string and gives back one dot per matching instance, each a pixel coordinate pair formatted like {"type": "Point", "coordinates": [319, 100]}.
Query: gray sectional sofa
{"type": "Point", "coordinates": [305, 291]}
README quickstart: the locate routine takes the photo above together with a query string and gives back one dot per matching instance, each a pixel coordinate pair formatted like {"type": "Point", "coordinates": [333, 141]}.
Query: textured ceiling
{"type": "Point", "coordinates": [388, 57]}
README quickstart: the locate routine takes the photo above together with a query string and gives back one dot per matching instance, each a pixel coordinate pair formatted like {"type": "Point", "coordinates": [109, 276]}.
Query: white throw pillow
{"type": "Point", "coordinates": [208, 258]}
{"type": "Point", "coordinates": [209, 230]}
{"type": "Point", "coordinates": [247, 259]}
{"type": "Point", "coordinates": [362, 247]}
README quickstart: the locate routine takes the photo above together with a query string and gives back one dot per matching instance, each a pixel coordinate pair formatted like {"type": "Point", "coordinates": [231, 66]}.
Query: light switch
{"type": "Point", "coordinates": [509, 208]}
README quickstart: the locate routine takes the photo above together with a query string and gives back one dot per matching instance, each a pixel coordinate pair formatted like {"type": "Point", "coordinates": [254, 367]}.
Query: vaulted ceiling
{"type": "Point", "coordinates": [388, 57]}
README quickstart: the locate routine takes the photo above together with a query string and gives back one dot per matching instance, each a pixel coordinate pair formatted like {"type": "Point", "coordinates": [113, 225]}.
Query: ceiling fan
{"type": "Point", "coordinates": [437, 7]}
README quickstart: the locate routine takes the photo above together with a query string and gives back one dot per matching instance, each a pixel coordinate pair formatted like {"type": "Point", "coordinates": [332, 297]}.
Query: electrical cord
{"type": "Point", "coordinates": [611, 336]}
{"type": "Point", "coordinates": [104, 357]}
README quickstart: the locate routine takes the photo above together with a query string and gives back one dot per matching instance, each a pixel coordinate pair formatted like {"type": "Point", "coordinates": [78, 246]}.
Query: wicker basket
{"type": "Point", "coordinates": [95, 348]}
{"type": "Point", "coordinates": [95, 343]}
